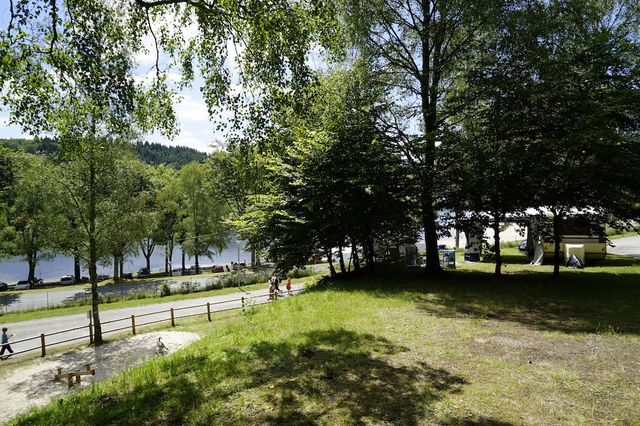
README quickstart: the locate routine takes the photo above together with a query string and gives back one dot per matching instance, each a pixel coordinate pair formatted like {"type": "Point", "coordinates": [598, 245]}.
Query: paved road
{"type": "Point", "coordinates": [629, 246]}
{"type": "Point", "coordinates": [30, 300]}
{"type": "Point", "coordinates": [48, 326]}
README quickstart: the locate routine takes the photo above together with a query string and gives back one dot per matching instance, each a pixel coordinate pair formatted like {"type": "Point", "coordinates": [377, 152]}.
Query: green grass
{"type": "Point", "coordinates": [399, 349]}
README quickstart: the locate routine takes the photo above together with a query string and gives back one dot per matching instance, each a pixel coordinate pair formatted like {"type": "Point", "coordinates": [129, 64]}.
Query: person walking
{"type": "Point", "coordinates": [5, 344]}
{"type": "Point", "coordinates": [289, 286]}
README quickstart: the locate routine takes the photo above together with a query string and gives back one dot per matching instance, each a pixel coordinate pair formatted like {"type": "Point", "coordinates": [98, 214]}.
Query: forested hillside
{"type": "Point", "coordinates": [176, 156]}
{"type": "Point", "coordinates": [150, 153]}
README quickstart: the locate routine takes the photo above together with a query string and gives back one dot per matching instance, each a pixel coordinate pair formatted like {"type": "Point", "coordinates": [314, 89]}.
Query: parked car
{"type": "Point", "coordinates": [192, 269]}
{"type": "Point", "coordinates": [176, 271]}
{"type": "Point", "coordinates": [102, 277]}
{"type": "Point", "coordinates": [23, 285]}
{"type": "Point", "coordinates": [127, 275]}
{"type": "Point", "coordinates": [144, 273]}
{"type": "Point", "coordinates": [67, 279]}
{"type": "Point", "coordinates": [217, 268]}
{"type": "Point", "coordinates": [523, 245]}
{"type": "Point", "coordinates": [3, 286]}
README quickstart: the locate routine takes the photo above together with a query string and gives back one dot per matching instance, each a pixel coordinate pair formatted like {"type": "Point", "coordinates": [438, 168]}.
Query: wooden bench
{"type": "Point", "coordinates": [77, 374]}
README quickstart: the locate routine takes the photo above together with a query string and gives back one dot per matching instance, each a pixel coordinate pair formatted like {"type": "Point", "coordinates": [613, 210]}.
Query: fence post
{"type": "Point", "coordinates": [209, 311]}
{"type": "Point", "coordinates": [133, 324]}
{"type": "Point", "coordinates": [43, 345]}
{"type": "Point", "coordinates": [243, 304]}
{"type": "Point", "coordinates": [173, 319]}
{"type": "Point", "coordinates": [90, 327]}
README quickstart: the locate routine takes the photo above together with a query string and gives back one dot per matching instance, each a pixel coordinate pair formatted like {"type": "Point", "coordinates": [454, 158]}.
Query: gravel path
{"type": "Point", "coordinates": [32, 383]}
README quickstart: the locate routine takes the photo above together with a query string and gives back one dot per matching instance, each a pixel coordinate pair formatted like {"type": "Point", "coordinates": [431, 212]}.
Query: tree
{"type": "Point", "coordinates": [237, 176]}
{"type": "Point", "coordinates": [420, 48]}
{"type": "Point", "coordinates": [572, 66]}
{"type": "Point", "coordinates": [170, 200]}
{"type": "Point", "coordinates": [335, 182]}
{"type": "Point", "coordinates": [34, 216]}
{"type": "Point", "coordinates": [203, 215]}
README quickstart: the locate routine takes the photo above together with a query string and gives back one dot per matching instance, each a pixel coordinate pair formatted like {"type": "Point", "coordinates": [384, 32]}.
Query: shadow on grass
{"type": "Point", "coordinates": [338, 376]}
{"type": "Point", "coordinates": [576, 302]}
{"type": "Point", "coordinates": [321, 377]}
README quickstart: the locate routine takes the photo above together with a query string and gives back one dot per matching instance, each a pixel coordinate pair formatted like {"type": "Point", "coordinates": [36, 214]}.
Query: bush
{"type": "Point", "coordinates": [299, 273]}
{"type": "Point", "coordinates": [165, 290]}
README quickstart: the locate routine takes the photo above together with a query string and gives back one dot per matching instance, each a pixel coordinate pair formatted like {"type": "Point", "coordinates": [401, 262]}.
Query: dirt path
{"type": "Point", "coordinates": [31, 383]}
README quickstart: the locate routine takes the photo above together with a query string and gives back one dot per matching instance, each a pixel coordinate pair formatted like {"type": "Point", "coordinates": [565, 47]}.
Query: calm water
{"type": "Point", "coordinates": [12, 270]}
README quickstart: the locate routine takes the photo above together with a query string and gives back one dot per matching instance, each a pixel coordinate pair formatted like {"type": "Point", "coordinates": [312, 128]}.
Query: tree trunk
{"type": "Point", "coordinates": [115, 269]}
{"type": "Point", "coordinates": [31, 260]}
{"type": "Point", "coordinates": [253, 258]}
{"type": "Point", "coordinates": [170, 257]}
{"type": "Point", "coordinates": [430, 236]}
{"type": "Point", "coordinates": [343, 270]}
{"type": "Point", "coordinates": [556, 243]}
{"type": "Point", "coordinates": [429, 98]}
{"type": "Point", "coordinates": [354, 254]}
{"type": "Point", "coordinates": [330, 260]}
{"type": "Point", "coordinates": [121, 269]}
{"type": "Point", "coordinates": [76, 265]}
{"type": "Point", "coordinates": [370, 255]}
{"type": "Point", "coordinates": [93, 256]}
{"type": "Point", "coordinates": [166, 261]}
{"type": "Point", "coordinates": [183, 258]}
{"type": "Point", "coordinates": [196, 254]}
{"type": "Point", "coordinates": [496, 242]}
{"type": "Point", "coordinates": [457, 238]}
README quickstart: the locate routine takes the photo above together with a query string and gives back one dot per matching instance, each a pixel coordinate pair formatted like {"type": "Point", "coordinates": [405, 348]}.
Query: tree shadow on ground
{"type": "Point", "coordinates": [320, 377]}
{"type": "Point", "coordinates": [344, 377]}
{"type": "Point", "coordinates": [576, 302]}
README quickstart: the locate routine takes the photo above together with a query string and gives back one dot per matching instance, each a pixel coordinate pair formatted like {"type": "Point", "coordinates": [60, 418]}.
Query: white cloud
{"type": "Point", "coordinates": [191, 109]}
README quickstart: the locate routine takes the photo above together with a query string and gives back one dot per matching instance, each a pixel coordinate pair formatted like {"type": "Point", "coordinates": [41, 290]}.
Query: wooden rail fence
{"type": "Point", "coordinates": [133, 321]}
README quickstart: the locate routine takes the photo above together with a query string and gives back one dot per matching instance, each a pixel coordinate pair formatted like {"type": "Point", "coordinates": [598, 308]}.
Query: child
{"type": "Point", "coordinates": [272, 289]}
{"type": "Point", "coordinates": [289, 286]}
{"type": "Point", "coordinates": [5, 344]}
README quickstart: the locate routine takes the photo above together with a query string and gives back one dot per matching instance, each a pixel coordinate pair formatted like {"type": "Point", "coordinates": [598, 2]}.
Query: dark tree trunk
{"type": "Point", "coordinates": [557, 217]}
{"type": "Point", "coordinates": [76, 265]}
{"type": "Point", "coordinates": [496, 242]}
{"type": "Point", "coordinates": [431, 241]}
{"type": "Point", "coordinates": [253, 258]}
{"type": "Point", "coordinates": [115, 268]}
{"type": "Point", "coordinates": [183, 258]}
{"type": "Point", "coordinates": [330, 260]}
{"type": "Point", "coordinates": [370, 255]}
{"type": "Point", "coordinates": [196, 254]}
{"type": "Point", "coordinates": [343, 270]}
{"type": "Point", "coordinates": [354, 254]}
{"type": "Point", "coordinates": [166, 262]}
{"type": "Point", "coordinates": [120, 272]}
{"type": "Point", "coordinates": [31, 260]}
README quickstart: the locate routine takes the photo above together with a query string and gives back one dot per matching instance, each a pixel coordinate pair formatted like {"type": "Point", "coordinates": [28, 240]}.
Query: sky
{"type": "Point", "coordinates": [196, 130]}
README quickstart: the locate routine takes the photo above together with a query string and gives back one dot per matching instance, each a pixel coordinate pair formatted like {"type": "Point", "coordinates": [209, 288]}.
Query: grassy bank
{"type": "Point", "coordinates": [462, 349]}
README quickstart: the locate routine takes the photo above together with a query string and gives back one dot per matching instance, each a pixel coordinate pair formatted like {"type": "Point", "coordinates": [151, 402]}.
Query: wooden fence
{"type": "Point", "coordinates": [133, 322]}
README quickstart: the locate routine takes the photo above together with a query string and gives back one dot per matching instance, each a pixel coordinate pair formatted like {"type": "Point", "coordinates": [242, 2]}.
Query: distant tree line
{"type": "Point", "coordinates": [148, 152]}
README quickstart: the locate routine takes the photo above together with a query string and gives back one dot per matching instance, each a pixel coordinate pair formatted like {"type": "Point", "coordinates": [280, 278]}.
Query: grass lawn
{"type": "Point", "coordinates": [400, 349]}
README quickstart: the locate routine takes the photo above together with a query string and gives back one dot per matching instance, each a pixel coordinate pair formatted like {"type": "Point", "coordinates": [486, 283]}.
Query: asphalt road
{"type": "Point", "coordinates": [116, 319]}
{"type": "Point", "coordinates": [629, 246]}
{"type": "Point", "coordinates": [29, 300]}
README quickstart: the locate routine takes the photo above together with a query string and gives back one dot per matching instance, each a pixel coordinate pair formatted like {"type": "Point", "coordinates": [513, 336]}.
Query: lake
{"type": "Point", "coordinates": [15, 269]}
